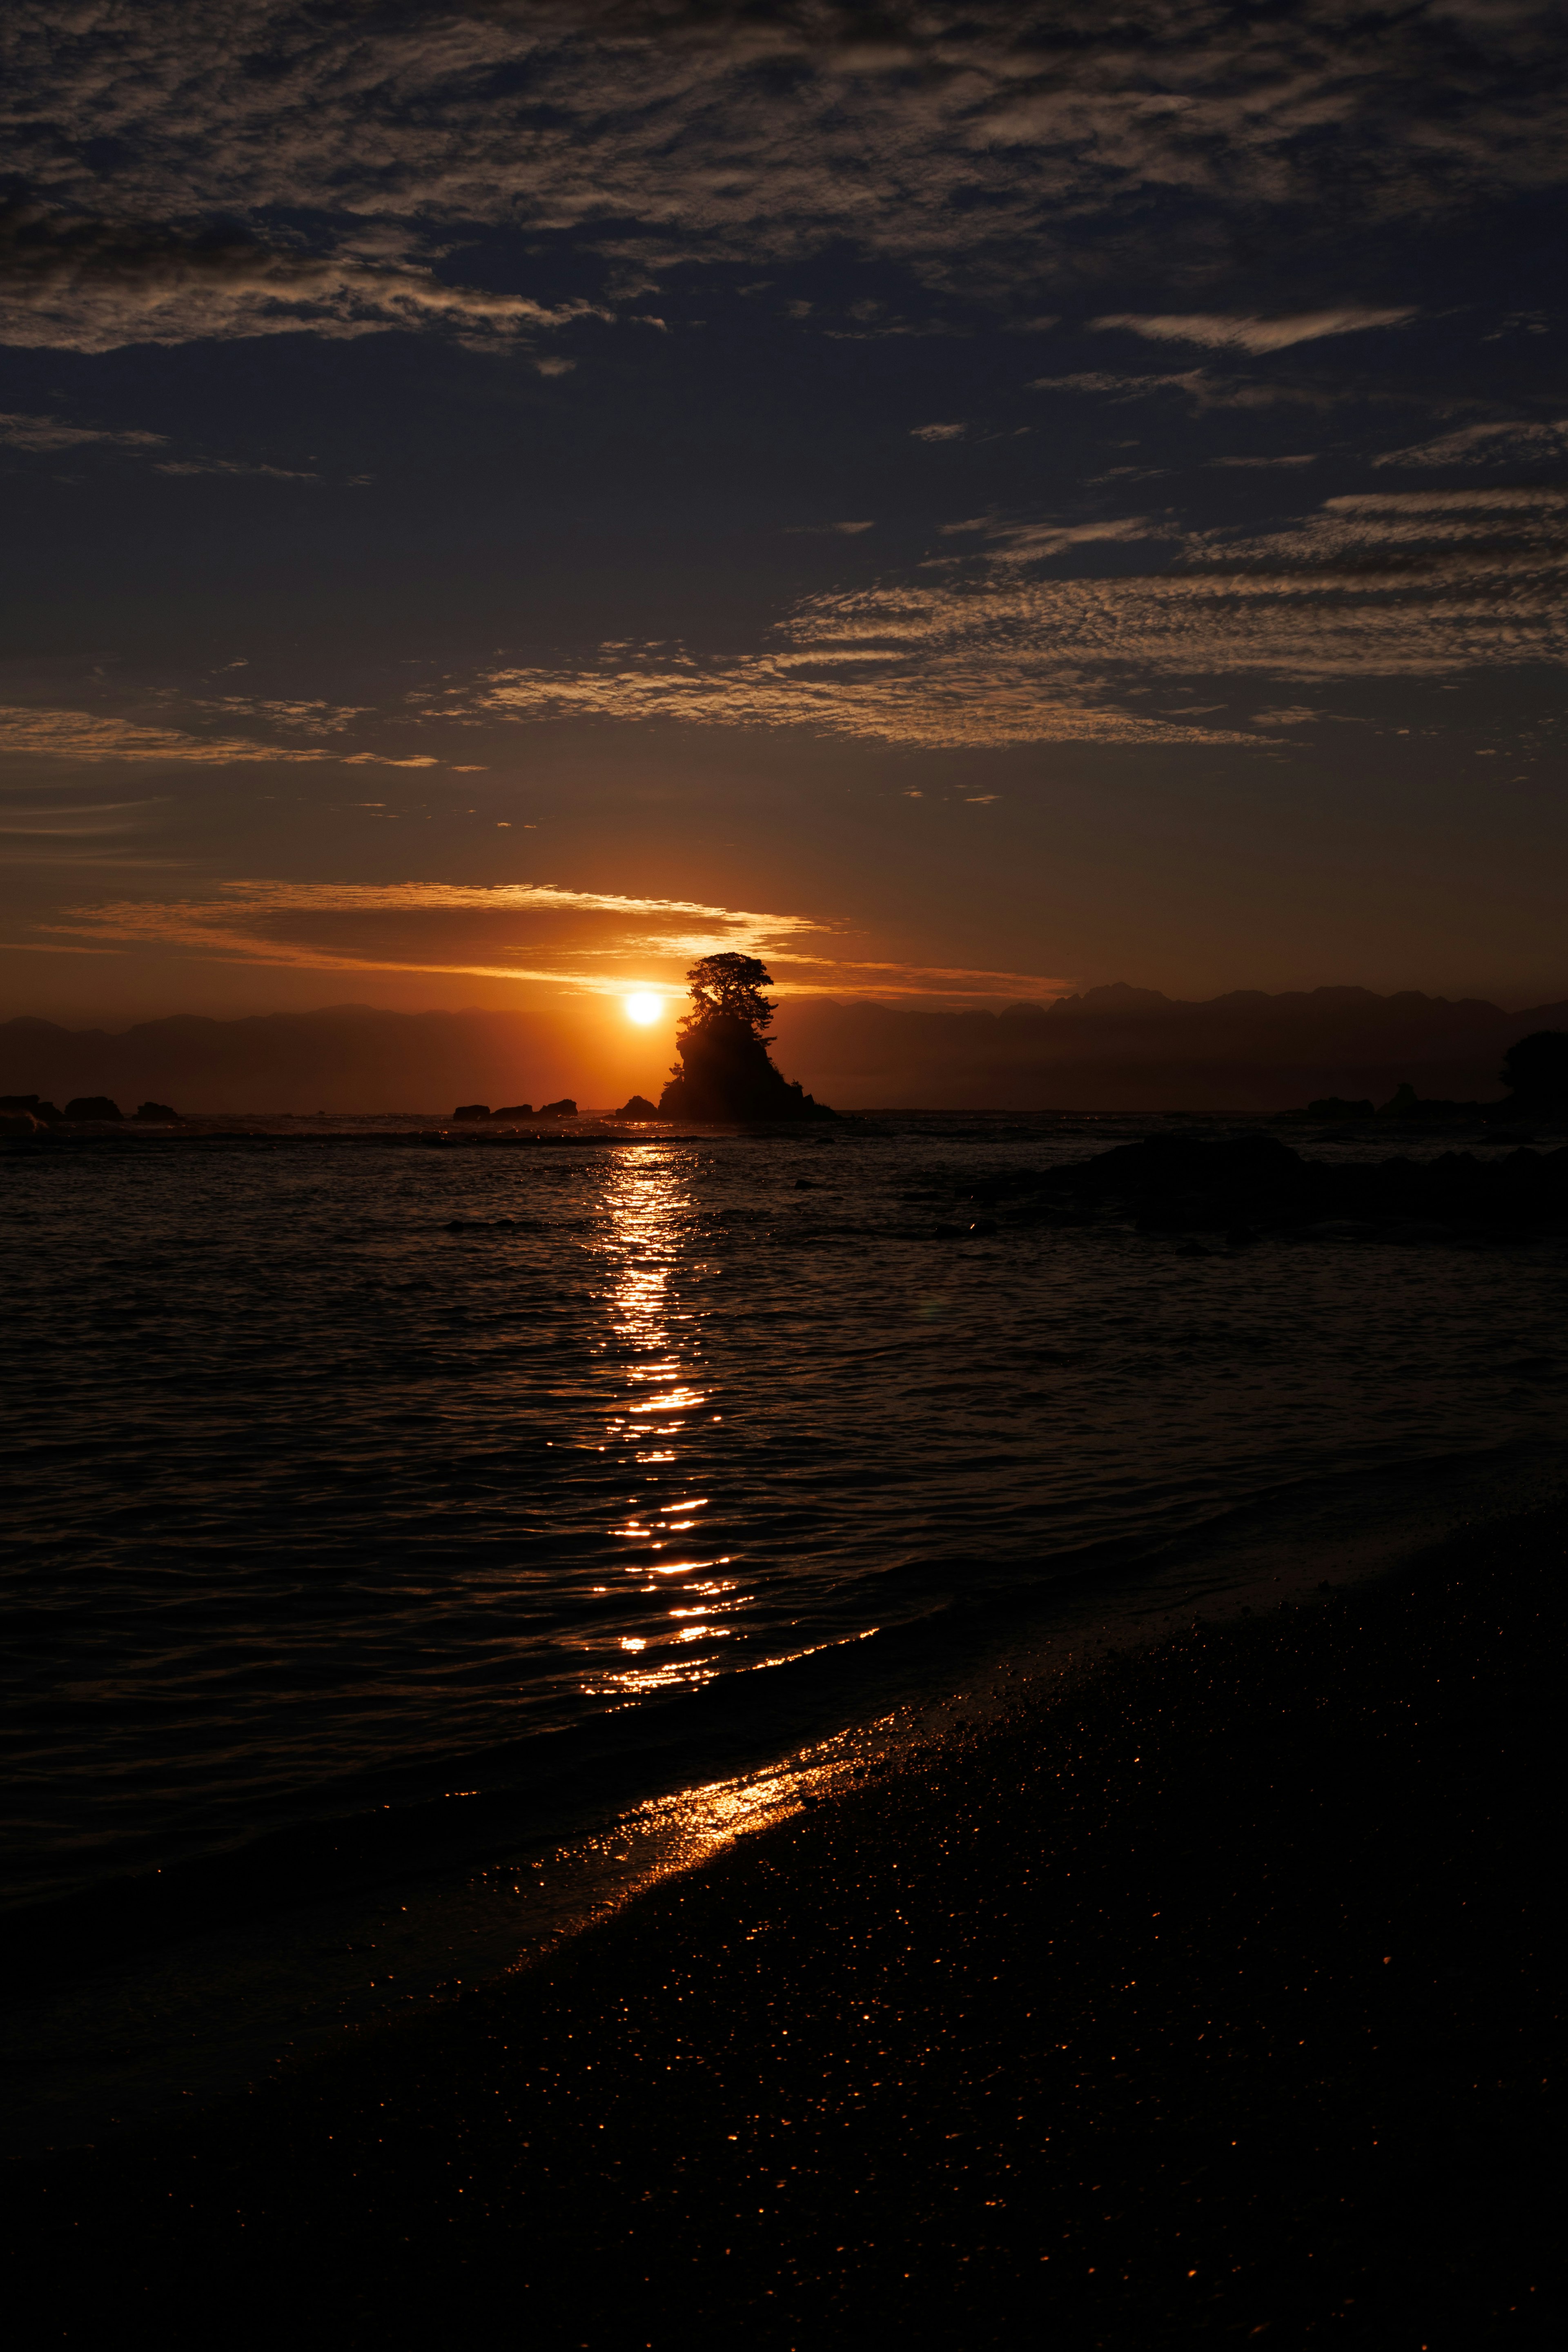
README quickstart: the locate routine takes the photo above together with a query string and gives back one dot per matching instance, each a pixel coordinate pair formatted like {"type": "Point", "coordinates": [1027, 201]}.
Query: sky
{"type": "Point", "coordinates": [968, 503]}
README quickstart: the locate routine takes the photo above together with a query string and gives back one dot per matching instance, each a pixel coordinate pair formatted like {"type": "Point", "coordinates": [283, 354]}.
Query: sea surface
{"type": "Point", "coordinates": [412, 1544]}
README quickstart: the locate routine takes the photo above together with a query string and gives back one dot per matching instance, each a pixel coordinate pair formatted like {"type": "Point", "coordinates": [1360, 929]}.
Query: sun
{"type": "Point", "coordinates": [644, 1007]}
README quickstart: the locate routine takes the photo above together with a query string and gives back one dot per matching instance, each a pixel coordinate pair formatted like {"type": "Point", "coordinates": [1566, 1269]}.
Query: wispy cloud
{"type": "Point", "coordinates": [1220, 333]}
{"type": "Point", "coordinates": [79, 821]}
{"type": "Point", "coordinates": [523, 931]}
{"type": "Point", "coordinates": [1204, 389]}
{"type": "Point", "coordinates": [586, 942]}
{"type": "Point", "coordinates": [1513, 444]}
{"type": "Point", "coordinates": [87, 285]}
{"type": "Point", "coordinates": [46, 433]}
{"type": "Point", "coordinates": [828, 530]}
{"type": "Point", "coordinates": [232, 466]}
{"type": "Point", "coordinates": [84, 735]}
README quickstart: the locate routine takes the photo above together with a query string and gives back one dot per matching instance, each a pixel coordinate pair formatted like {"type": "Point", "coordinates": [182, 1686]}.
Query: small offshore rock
{"type": "Point", "coordinates": [159, 1111]}
{"type": "Point", "coordinates": [564, 1108]}
{"type": "Point", "coordinates": [512, 1110]}
{"type": "Point", "coordinates": [472, 1110]}
{"type": "Point", "coordinates": [639, 1106]}
{"type": "Point", "coordinates": [91, 1106]}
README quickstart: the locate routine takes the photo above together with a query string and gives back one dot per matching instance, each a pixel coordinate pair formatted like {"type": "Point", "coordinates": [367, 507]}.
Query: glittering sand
{"type": "Point", "coordinates": [1215, 2001]}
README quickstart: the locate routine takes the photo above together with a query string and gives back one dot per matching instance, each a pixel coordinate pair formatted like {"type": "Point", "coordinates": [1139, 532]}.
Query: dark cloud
{"type": "Point", "coordinates": [953, 140]}
{"type": "Point", "coordinates": [93, 284]}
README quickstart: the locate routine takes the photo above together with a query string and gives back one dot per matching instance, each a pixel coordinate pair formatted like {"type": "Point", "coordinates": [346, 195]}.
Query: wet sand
{"type": "Point", "coordinates": [1217, 1998]}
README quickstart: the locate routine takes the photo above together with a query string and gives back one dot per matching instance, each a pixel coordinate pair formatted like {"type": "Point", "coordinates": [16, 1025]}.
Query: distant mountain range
{"type": "Point", "coordinates": [1133, 1049]}
{"type": "Point", "coordinates": [1112, 1049]}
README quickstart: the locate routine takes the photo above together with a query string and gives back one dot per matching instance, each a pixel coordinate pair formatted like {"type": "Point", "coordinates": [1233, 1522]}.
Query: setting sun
{"type": "Point", "coordinates": [644, 1008]}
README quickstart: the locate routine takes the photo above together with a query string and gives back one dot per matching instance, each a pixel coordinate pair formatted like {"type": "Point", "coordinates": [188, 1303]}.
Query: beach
{"type": "Point", "coordinates": [1212, 1997]}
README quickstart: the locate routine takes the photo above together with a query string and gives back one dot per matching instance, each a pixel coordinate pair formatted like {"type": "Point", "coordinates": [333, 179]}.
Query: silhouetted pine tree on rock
{"type": "Point", "coordinates": [725, 1070]}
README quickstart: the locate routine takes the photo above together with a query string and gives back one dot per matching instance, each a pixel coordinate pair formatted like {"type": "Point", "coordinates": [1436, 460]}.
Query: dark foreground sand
{"type": "Point", "coordinates": [1217, 2001]}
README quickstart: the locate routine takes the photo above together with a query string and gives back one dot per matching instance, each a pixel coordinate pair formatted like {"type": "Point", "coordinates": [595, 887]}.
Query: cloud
{"type": "Point", "coordinates": [1033, 542]}
{"type": "Point", "coordinates": [938, 432]}
{"type": "Point", "coordinates": [578, 939]}
{"type": "Point", "coordinates": [300, 715]}
{"type": "Point", "coordinates": [826, 530]}
{"type": "Point", "coordinates": [1371, 585]}
{"type": "Point", "coordinates": [51, 433]}
{"type": "Point", "coordinates": [33, 732]}
{"type": "Point", "coordinates": [1488, 445]}
{"type": "Point", "coordinates": [231, 465]}
{"type": "Point", "coordinates": [955, 137]}
{"type": "Point", "coordinates": [1205, 390]}
{"type": "Point", "coordinates": [1304, 457]}
{"type": "Point", "coordinates": [85, 820]}
{"type": "Point", "coordinates": [587, 942]}
{"type": "Point", "coordinates": [1220, 333]}
{"type": "Point", "coordinates": [89, 285]}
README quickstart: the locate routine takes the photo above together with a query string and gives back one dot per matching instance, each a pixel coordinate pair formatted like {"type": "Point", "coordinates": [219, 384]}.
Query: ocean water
{"type": "Point", "coordinates": [388, 1525]}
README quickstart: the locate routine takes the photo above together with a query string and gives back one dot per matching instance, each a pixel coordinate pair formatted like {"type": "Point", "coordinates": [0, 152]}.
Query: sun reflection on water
{"type": "Point", "coordinates": [652, 1362]}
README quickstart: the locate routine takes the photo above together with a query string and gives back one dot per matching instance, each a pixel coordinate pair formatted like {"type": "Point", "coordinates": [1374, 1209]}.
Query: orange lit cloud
{"type": "Point", "coordinates": [595, 942]}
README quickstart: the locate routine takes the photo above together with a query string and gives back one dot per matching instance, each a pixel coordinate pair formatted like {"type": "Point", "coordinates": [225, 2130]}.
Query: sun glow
{"type": "Point", "coordinates": [642, 1008]}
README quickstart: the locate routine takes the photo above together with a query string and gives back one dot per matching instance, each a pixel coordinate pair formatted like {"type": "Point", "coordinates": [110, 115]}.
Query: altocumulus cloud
{"type": "Point", "coordinates": [1397, 584]}
{"type": "Point", "coordinates": [946, 137]}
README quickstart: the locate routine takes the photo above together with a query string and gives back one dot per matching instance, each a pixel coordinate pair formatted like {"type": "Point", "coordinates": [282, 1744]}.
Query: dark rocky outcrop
{"type": "Point", "coordinates": [1336, 1107]}
{"type": "Point", "coordinates": [1535, 1072]}
{"type": "Point", "coordinates": [514, 1110]}
{"type": "Point", "coordinates": [639, 1106]}
{"type": "Point", "coordinates": [44, 1112]}
{"type": "Point", "coordinates": [157, 1111]}
{"type": "Point", "coordinates": [564, 1108]}
{"type": "Point", "coordinates": [727, 1072]}
{"type": "Point", "coordinates": [472, 1110]}
{"type": "Point", "coordinates": [1254, 1184]}
{"type": "Point", "coordinates": [91, 1106]}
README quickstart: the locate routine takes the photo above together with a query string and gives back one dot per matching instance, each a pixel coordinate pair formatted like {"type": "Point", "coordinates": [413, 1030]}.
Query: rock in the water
{"type": "Point", "coordinates": [472, 1110]}
{"type": "Point", "coordinates": [159, 1111]}
{"type": "Point", "coordinates": [564, 1108]}
{"type": "Point", "coordinates": [727, 1072]}
{"type": "Point", "coordinates": [91, 1106]}
{"type": "Point", "coordinates": [639, 1106]}
{"type": "Point", "coordinates": [512, 1110]}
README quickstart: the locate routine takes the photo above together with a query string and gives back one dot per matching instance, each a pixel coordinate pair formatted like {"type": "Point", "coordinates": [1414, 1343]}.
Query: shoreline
{"type": "Point", "coordinates": [141, 1999]}
{"type": "Point", "coordinates": [925, 2044]}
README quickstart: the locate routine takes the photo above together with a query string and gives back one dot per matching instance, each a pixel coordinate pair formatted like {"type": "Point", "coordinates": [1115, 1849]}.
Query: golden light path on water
{"type": "Point", "coordinates": [654, 1340]}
